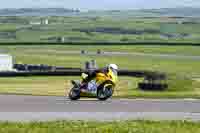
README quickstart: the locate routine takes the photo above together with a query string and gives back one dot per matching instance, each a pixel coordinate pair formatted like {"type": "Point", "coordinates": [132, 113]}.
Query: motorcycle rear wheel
{"type": "Point", "coordinates": [74, 94]}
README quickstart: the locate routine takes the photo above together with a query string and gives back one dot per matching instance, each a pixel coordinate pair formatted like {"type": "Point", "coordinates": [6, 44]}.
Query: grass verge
{"type": "Point", "coordinates": [101, 127]}
{"type": "Point", "coordinates": [126, 87]}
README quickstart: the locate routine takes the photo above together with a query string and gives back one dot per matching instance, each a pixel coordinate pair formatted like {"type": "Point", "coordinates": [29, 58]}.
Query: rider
{"type": "Point", "coordinates": [105, 70]}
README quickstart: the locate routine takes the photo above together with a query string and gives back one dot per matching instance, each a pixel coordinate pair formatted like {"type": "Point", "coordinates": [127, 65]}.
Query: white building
{"type": "Point", "coordinates": [6, 62]}
{"type": "Point", "coordinates": [46, 21]}
{"type": "Point", "coordinates": [40, 22]}
{"type": "Point", "coordinates": [35, 23]}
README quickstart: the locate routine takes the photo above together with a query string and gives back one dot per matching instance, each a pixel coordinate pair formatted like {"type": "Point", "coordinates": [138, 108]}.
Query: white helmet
{"type": "Point", "coordinates": [113, 66]}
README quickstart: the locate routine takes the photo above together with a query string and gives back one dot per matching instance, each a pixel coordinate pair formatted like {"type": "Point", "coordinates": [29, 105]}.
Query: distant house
{"type": "Point", "coordinates": [6, 63]}
{"type": "Point", "coordinates": [42, 21]}
{"type": "Point", "coordinates": [35, 23]}
{"type": "Point", "coordinates": [45, 21]}
{"type": "Point", "coordinates": [61, 39]}
{"type": "Point", "coordinates": [180, 22]}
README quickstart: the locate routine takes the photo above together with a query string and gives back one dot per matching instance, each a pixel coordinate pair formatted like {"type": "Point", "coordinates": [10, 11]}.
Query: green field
{"type": "Point", "coordinates": [180, 72]}
{"type": "Point", "coordinates": [99, 29]}
{"type": "Point", "coordinates": [101, 127]}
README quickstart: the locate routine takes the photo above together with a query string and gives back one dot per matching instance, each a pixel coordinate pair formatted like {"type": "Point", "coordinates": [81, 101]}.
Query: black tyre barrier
{"type": "Point", "coordinates": [42, 67]}
{"type": "Point", "coordinates": [28, 67]}
{"type": "Point", "coordinates": [61, 71]}
{"type": "Point", "coordinates": [149, 75]}
{"type": "Point", "coordinates": [99, 51]}
{"type": "Point", "coordinates": [66, 69]}
{"type": "Point", "coordinates": [29, 74]}
{"type": "Point", "coordinates": [152, 86]}
{"type": "Point", "coordinates": [20, 67]}
{"type": "Point", "coordinates": [83, 52]}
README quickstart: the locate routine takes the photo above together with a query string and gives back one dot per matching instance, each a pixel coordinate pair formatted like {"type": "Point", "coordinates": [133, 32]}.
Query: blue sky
{"type": "Point", "coordinates": [99, 4]}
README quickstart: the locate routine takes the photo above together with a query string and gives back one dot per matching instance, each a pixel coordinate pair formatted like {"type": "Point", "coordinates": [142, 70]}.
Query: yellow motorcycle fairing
{"type": "Point", "coordinates": [100, 79]}
{"type": "Point", "coordinates": [110, 76]}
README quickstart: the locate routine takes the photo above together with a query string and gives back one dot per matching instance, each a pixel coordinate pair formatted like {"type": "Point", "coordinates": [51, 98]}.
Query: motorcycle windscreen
{"type": "Point", "coordinates": [114, 75]}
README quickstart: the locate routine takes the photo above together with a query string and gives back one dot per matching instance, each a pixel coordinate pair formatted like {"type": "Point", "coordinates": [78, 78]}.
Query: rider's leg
{"type": "Point", "coordinates": [89, 77]}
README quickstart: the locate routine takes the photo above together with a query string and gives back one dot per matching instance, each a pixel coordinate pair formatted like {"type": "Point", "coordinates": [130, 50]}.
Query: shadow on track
{"type": "Point", "coordinates": [82, 100]}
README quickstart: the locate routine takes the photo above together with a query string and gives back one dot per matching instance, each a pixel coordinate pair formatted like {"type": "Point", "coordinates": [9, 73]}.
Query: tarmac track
{"type": "Point", "coordinates": [43, 108]}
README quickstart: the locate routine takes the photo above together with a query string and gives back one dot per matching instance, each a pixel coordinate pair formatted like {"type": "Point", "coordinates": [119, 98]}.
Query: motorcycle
{"type": "Point", "coordinates": [101, 87]}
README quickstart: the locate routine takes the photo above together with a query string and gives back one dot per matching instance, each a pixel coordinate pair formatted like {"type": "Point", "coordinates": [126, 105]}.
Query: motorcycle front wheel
{"type": "Point", "coordinates": [105, 92]}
